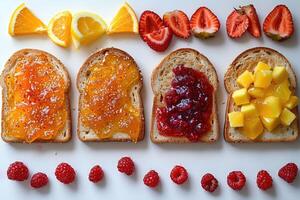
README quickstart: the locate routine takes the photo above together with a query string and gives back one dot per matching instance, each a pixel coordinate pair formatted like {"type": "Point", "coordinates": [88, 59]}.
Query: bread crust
{"type": "Point", "coordinates": [80, 75]}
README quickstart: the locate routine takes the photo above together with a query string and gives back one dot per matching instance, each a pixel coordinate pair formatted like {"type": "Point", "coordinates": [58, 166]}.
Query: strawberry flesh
{"type": "Point", "coordinates": [237, 24]}
{"type": "Point", "coordinates": [149, 22]}
{"type": "Point", "coordinates": [254, 25]}
{"type": "Point", "coordinates": [159, 40]}
{"type": "Point", "coordinates": [178, 22]}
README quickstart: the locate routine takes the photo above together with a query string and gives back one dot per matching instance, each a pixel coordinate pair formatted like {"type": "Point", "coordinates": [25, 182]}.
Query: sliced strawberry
{"type": "Point", "coordinates": [178, 22]}
{"type": "Point", "coordinates": [149, 22]}
{"type": "Point", "coordinates": [159, 40]}
{"type": "Point", "coordinates": [254, 25]}
{"type": "Point", "coordinates": [237, 23]}
{"type": "Point", "coordinates": [204, 23]}
{"type": "Point", "coordinates": [279, 23]}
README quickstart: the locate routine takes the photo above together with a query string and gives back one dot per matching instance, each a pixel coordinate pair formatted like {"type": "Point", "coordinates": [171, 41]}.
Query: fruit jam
{"type": "Point", "coordinates": [36, 99]}
{"type": "Point", "coordinates": [188, 107]}
{"type": "Point", "coordinates": [108, 105]}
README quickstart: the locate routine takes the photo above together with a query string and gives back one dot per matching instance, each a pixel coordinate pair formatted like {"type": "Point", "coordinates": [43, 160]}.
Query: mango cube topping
{"type": "Point", "coordinates": [263, 78]}
{"type": "Point", "coordinates": [287, 117]}
{"type": "Point", "coordinates": [249, 110]}
{"type": "Point", "coordinates": [271, 107]}
{"type": "Point", "coordinates": [279, 74]}
{"type": "Point", "coordinates": [282, 91]}
{"type": "Point", "coordinates": [241, 97]}
{"type": "Point", "coordinates": [245, 79]}
{"type": "Point", "coordinates": [270, 123]}
{"type": "Point", "coordinates": [292, 102]}
{"type": "Point", "coordinates": [256, 92]}
{"type": "Point", "coordinates": [253, 128]}
{"type": "Point", "coordinates": [236, 119]}
{"type": "Point", "coordinates": [261, 66]}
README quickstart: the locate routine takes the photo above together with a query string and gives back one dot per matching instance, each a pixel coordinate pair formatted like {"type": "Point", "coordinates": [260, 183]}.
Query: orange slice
{"type": "Point", "coordinates": [59, 28]}
{"type": "Point", "coordinates": [24, 22]}
{"type": "Point", "coordinates": [125, 21]}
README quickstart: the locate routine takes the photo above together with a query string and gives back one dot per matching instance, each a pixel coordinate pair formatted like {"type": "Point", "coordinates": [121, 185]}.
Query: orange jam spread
{"type": "Point", "coordinates": [107, 106]}
{"type": "Point", "coordinates": [36, 99]}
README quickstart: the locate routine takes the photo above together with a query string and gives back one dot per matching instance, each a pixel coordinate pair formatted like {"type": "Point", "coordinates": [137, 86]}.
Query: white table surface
{"type": "Point", "coordinates": [218, 158]}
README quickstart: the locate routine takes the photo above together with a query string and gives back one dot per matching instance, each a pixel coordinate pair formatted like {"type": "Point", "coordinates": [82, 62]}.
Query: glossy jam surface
{"type": "Point", "coordinates": [107, 106]}
{"type": "Point", "coordinates": [36, 99]}
{"type": "Point", "coordinates": [188, 107]}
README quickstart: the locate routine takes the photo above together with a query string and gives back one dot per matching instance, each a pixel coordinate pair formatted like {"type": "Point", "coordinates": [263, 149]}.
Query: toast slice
{"type": "Point", "coordinates": [161, 82]}
{"type": "Point", "coordinates": [88, 134]}
{"type": "Point", "coordinates": [247, 61]}
{"type": "Point", "coordinates": [22, 56]}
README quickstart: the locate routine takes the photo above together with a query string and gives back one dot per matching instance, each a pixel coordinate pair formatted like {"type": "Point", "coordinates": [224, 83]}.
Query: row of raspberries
{"type": "Point", "coordinates": [65, 173]}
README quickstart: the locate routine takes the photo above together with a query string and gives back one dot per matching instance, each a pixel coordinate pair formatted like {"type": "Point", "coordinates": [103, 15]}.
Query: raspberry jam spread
{"type": "Point", "coordinates": [188, 105]}
{"type": "Point", "coordinates": [107, 106]}
{"type": "Point", "coordinates": [36, 99]}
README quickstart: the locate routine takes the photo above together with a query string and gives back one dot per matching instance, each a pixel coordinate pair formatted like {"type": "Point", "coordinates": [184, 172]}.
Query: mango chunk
{"type": "Point", "coordinates": [261, 66]}
{"type": "Point", "coordinates": [236, 119]}
{"type": "Point", "coordinates": [253, 128]}
{"type": "Point", "coordinates": [249, 110]}
{"type": "Point", "coordinates": [279, 74]}
{"type": "Point", "coordinates": [270, 107]}
{"type": "Point", "coordinates": [256, 92]}
{"type": "Point", "coordinates": [263, 78]}
{"type": "Point", "coordinates": [270, 123]}
{"type": "Point", "coordinates": [245, 79]}
{"type": "Point", "coordinates": [287, 117]}
{"type": "Point", "coordinates": [241, 97]}
{"type": "Point", "coordinates": [292, 102]}
{"type": "Point", "coordinates": [282, 91]}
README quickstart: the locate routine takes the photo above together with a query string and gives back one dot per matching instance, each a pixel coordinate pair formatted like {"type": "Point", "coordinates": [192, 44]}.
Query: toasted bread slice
{"type": "Point", "coordinates": [161, 82]}
{"type": "Point", "coordinates": [87, 134]}
{"type": "Point", "coordinates": [9, 68]}
{"type": "Point", "coordinates": [248, 61]}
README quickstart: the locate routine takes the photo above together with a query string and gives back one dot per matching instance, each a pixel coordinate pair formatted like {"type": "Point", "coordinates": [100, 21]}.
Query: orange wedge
{"type": "Point", "coordinates": [125, 21]}
{"type": "Point", "coordinates": [59, 28]}
{"type": "Point", "coordinates": [24, 22]}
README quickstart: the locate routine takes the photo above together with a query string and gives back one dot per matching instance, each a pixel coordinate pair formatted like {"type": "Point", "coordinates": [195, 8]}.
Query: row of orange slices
{"type": "Point", "coordinates": [81, 28]}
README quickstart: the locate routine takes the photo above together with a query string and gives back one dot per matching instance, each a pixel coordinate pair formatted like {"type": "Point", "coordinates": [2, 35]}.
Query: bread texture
{"type": "Point", "coordinates": [66, 134]}
{"type": "Point", "coordinates": [248, 61]}
{"type": "Point", "coordinates": [161, 83]}
{"type": "Point", "coordinates": [86, 134]}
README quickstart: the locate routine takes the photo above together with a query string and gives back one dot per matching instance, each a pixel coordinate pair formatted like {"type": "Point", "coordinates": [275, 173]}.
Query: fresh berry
{"type": "Point", "coordinates": [96, 174]}
{"type": "Point", "coordinates": [204, 23]}
{"type": "Point", "coordinates": [236, 180]}
{"type": "Point", "coordinates": [237, 23]}
{"type": "Point", "coordinates": [126, 165]}
{"type": "Point", "coordinates": [149, 22]}
{"type": "Point", "coordinates": [278, 24]}
{"type": "Point", "coordinates": [288, 172]}
{"type": "Point", "coordinates": [159, 40]}
{"type": "Point", "coordinates": [209, 182]}
{"type": "Point", "coordinates": [17, 171]}
{"type": "Point", "coordinates": [179, 175]}
{"type": "Point", "coordinates": [39, 180]}
{"type": "Point", "coordinates": [264, 181]}
{"type": "Point", "coordinates": [151, 179]}
{"type": "Point", "coordinates": [65, 173]}
{"type": "Point", "coordinates": [178, 22]}
{"type": "Point", "coordinates": [254, 25]}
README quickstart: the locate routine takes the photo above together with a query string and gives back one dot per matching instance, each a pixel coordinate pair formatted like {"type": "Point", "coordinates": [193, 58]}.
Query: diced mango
{"type": "Point", "coordinates": [287, 117]}
{"type": "Point", "coordinates": [236, 119]}
{"type": "Point", "coordinates": [292, 102]}
{"type": "Point", "coordinates": [263, 78]}
{"type": "Point", "coordinates": [252, 128]}
{"type": "Point", "coordinates": [271, 107]}
{"type": "Point", "coordinates": [241, 97]}
{"type": "Point", "coordinates": [279, 74]}
{"type": "Point", "coordinates": [245, 79]}
{"type": "Point", "coordinates": [261, 66]}
{"type": "Point", "coordinates": [282, 91]}
{"type": "Point", "coordinates": [258, 104]}
{"type": "Point", "coordinates": [270, 123]}
{"type": "Point", "coordinates": [249, 110]}
{"type": "Point", "coordinates": [256, 92]}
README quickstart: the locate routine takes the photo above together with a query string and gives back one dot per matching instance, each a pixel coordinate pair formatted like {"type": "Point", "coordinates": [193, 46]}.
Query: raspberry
{"type": "Point", "coordinates": [151, 179]}
{"type": "Point", "coordinates": [17, 171]}
{"type": "Point", "coordinates": [126, 165]}
{"type": "Point", "coordinates": [264, 181]}
{"type": "Point", "coordinates": [288, 172]}
{"type": "Point", "coordinates": [179, 174]}
{"type": "Point", "coordinates": [39, 180]}
{"type": "Point", "coordinates": [236, 180]}
{"type": "Point", "coordinates": [65, 173]}
{"type": "Point", "coordinates": [209, 182]}
{"type": "Point", "coordinates": [96, 174]}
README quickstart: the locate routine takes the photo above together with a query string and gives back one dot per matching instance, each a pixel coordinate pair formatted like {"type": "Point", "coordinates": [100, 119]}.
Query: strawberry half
{"type": "Point", "coordinates": [279, 25]}
{"type": "Point", "coordinates": [237, 23]}
{"type": "Point", "coordinates": [178, 22]}
{"type": "Point", "coordinates": [149, 22]}
{"type": "Point", "coordinates": [204, 23]}
{"type": "Point", "coordinates": [159, 40]}
{"type": "Point", "coordinates": [254, 25]}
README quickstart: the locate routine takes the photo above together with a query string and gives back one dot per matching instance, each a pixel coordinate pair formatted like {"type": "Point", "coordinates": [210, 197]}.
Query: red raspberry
{"type": "Point", "coordinates": [17, 171]}
{"type": "Point", "coordinates": [96, 174]}
{"type": "Point", "coordinates": [264, 181]}
{"type": "Point", "coordinates": [65, 173]}
{"type": "Point", "coordinates": [236, 180]}
{"type": "Point", "coordinates": [151, 179]}
{"type": "Point", "coordinates": [126, 165]}
{"type": "Point", "coordinates": [288, 172]}
{"type": "Point", "coordinates": [179, 175]}
{"type": "Point", "coordinates": [39, 180]}
{"type": "Point", "coordinates": [209, 182]}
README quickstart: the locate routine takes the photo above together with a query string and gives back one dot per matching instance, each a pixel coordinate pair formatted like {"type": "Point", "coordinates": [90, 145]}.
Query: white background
{"type": "Point", "coordinates": [218, 158]}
